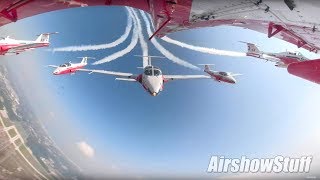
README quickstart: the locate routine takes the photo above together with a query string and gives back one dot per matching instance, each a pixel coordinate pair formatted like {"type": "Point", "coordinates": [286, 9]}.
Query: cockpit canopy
{"type": "Point", "coordinates": [152, 71]}
{"type": "Point", "coordinates": [65, 65]}
{"type": "Point", "coordinates": [223, 73]}
{"type": "Point", "coordinates": [298, 54]}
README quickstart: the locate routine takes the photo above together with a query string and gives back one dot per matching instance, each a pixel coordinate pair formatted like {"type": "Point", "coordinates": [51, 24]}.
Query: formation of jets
{"type": "Point", "coordinates": [289, 20]}
{"type": "Point", "coordinates": [152, 79]}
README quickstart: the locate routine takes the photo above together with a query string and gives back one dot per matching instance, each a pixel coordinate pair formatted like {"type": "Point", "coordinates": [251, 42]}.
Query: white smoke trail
{"type": "Point", "coordinates": [150, 20]}
{"type": "Point", "coordinates": [143, 43]}
{"type": "Point", "coordinates": [164, 51]}
{"type": "Point", "coordinates": [120, 40]}
{"type": "Point", "coordinates": [204, 49]}
{"type": "Point", "coordinates": [133, 43]}
{"type": "Point", "coordinates": [201, 49]}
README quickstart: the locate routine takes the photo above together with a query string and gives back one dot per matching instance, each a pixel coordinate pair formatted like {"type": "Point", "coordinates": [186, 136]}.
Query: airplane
{"type": "Point", "coordinates": [151, 79]}
{"type": "Point", "coordinates": [282, 59]}
{"type": "Point", "coordinates": [9, 46]}
{"type": "Point", "coordinates": [70, 68]}
{"type": "Point", "coordinates": [219, 76]}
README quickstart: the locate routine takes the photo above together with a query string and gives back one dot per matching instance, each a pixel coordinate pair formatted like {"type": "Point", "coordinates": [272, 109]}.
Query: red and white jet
{"type": "Point", "coordinates": [70, 68]}
{"type": "Point", "coordinates": [9, 46]}
{"type": "Point", "coordinates": [152, 79]}
{"type": "Point", "coordinates": [282, 59]}
{"type": "Point", "coordinates": [219, 76]}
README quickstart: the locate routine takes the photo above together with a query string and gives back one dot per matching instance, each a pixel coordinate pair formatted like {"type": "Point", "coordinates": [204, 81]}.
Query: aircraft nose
{"type": "Point", "coordinates": [155, 89]}
{"type": "Point", "coordinates": [153, 92]}
{"type": "Point", "coordinates": [154, 85]}
{"type": "Point", "coordinates": [55, 72]}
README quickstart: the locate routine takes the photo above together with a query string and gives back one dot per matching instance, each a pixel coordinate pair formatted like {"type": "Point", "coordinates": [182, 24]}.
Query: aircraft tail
{"type": "Point", "coordinates": [85, 59]}
{"type": "Point", "coordinates": [252, 49]}
{"type": "Point", "coordinates": [149, 58]}
{"type": "Point", "coordinates": [206, 67]}
{"type": "Point", "coordinates": [44, 37]}
{"type": "Point", "coordinates": [234, 75]}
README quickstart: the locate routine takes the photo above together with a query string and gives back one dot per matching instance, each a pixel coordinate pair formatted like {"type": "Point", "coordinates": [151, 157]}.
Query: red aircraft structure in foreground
{"type": "Point", "coordinates": [293, 21]}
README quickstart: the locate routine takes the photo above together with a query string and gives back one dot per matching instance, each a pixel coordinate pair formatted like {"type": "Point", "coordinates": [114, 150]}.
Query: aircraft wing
{"type": "Point", "coordinates": [113, 73]}
{"type": "Point", "coordinates": [19, 49]}
{"type": "Point", "coordinates": [180, 77]}
{"type": "Point", "coordinates": [54, 66]}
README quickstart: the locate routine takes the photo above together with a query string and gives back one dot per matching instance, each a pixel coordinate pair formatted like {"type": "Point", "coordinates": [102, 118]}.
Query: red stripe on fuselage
{"type": "Point", "coordinates": [221, 78]}
{"type": "Point", "coordinates": [68, 70]}
{"type": "Point", "coordinates": [4, 48]}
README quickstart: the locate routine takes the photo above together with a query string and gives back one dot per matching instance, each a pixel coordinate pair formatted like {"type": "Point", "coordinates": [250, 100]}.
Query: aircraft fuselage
{"type": "Point", "coordinates": [221, 76]}
{"type": "Point", "coordinates": [151, 80]}
{"type": "Point", "coordinates": [7, 43]}
{"type": "Point", "coordinates": [68, 69]}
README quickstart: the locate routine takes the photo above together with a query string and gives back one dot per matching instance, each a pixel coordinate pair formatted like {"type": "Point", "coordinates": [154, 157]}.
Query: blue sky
{"type": "Point", "coordinates": [268, 112]}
